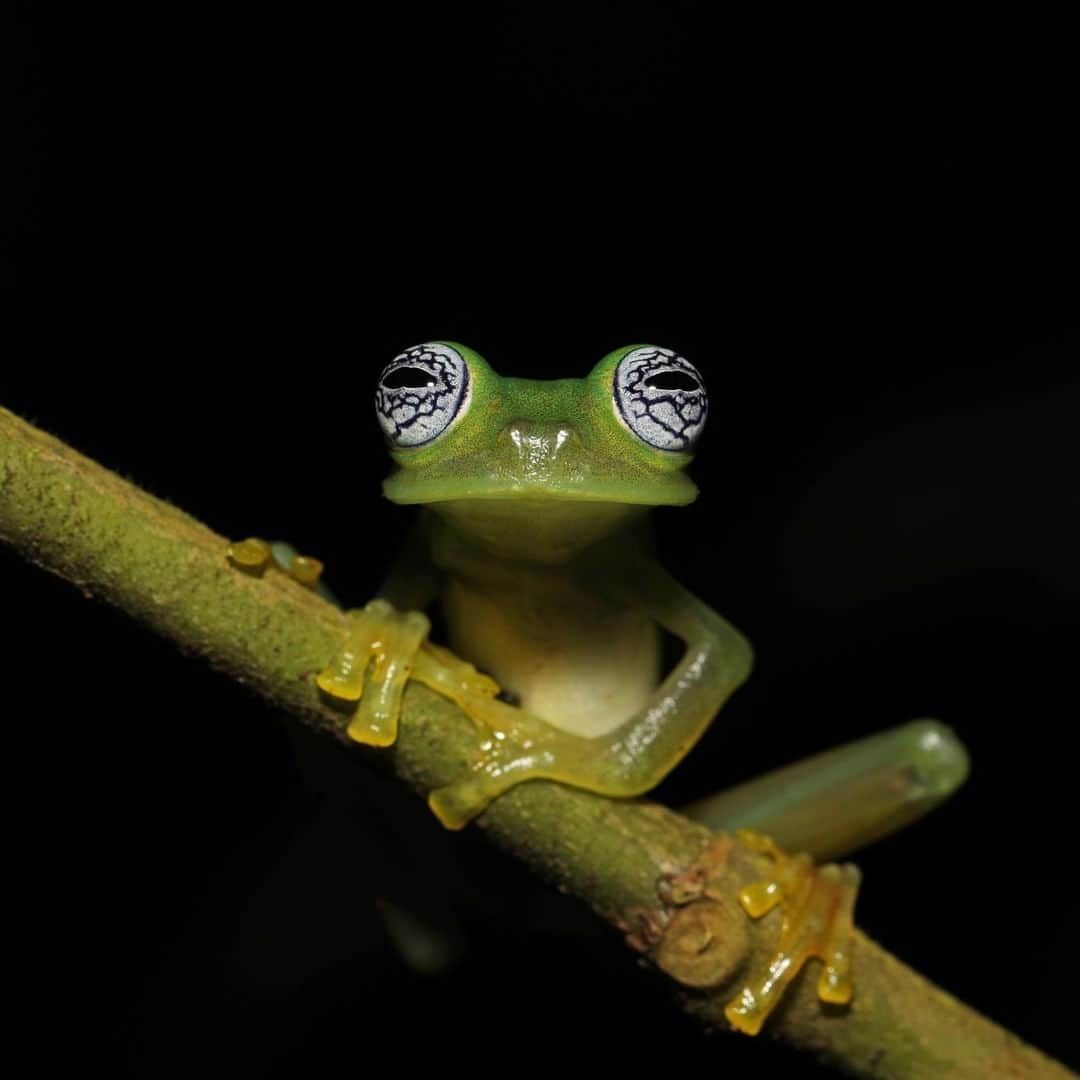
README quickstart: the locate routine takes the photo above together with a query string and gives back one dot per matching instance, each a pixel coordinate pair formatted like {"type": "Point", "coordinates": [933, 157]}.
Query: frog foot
{"type": "Point", "coordinates": [253, 556]}
{"type": "Point", "coordinates": [818, 906]}
{"type": "Point", "coordinates": [387, 642]}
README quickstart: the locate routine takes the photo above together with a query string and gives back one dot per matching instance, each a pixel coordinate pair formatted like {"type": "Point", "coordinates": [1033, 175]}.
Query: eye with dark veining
{"type": "Point", "coordinates": [421, 392]}
{"type": "Point", "coordinates": [660, 397]}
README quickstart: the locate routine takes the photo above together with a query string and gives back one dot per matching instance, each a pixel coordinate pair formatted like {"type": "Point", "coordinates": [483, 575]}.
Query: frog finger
{"type": "Point", "coordinates": [458, 674]}
{"type": "Point", "coordinates": [376, 721]}
{"type": "Point", "coordinates": [835, 985]}
{"type": "Point", "coordinates": [251, 556]}
{"type": "Point", "coordinates": [456, 679]}
{"type": "Point", "coordinates": [304, 569]}
{"type": "Point", "coordinates": [343, 677]}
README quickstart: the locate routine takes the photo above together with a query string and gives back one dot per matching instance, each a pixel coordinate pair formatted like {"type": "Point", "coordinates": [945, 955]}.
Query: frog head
{"type": "Point", "coordinates": [572, 456]}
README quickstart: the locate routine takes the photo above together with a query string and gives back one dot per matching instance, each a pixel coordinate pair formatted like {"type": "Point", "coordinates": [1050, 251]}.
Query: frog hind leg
{"type": "Point", "coordinates": [254, 556]}
{"type": "Point", "coordinates": [637, 754]}
{"type": "Point", "coordinates": [843, 799]}
{"type": "Point", "coordinates": [302, 568]}
{"type": "Point", "coordinates": [828, 805]}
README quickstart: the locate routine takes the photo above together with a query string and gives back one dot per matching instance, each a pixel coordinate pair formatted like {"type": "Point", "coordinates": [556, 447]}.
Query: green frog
{"type": "Point", "coordinates": [535, 539]}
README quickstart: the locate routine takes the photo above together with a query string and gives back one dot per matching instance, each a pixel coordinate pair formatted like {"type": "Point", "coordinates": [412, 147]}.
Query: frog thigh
{"type": "Point", "coordinates": [838, 801]}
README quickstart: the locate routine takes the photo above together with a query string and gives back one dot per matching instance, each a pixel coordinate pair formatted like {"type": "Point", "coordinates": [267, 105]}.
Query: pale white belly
{"type": "Point", "coordinates": [581, 665]}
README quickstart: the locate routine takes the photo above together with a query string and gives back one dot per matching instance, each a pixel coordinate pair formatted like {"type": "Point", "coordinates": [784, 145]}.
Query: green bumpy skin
{"type": "Point", "coordinates": [597, 459]}
{"type": "Point", "coordinates": [535, 540]}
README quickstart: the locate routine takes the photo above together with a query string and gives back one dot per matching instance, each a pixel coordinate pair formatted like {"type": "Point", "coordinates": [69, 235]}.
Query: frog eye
{"type": "Point", "coordinates": [660, 397]}
{"type": "Point", "coordinates": [421, 392]}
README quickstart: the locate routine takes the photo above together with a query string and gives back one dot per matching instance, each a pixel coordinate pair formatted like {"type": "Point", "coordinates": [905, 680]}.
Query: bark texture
{"type": "Point", "coordinates": [667, 884]}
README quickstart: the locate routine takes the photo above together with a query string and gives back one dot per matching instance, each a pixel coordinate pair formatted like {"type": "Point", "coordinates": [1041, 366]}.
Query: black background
{"type": "Point", "coordinates": [227, 219]}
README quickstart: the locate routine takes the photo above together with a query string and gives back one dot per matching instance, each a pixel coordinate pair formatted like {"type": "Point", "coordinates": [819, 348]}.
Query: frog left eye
{"type": "Point", "coordinates": [660, 397]}
{"type": "Point", "coordinates": [421, 392]}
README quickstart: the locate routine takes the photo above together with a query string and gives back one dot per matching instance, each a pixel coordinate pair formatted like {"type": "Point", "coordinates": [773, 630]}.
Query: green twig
{"type": "Point", "coordinates": [666, 883]}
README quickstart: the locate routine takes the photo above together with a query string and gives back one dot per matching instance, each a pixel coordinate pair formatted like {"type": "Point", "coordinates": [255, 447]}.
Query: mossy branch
{"type": "Point", "coordinates": [666, 883]}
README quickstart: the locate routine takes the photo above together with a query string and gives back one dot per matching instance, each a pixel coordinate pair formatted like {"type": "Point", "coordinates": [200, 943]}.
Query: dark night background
{"type": "Point", "coordinates": [226, 219]}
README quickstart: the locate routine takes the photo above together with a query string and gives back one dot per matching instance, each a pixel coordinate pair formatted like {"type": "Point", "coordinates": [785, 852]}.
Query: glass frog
{"type": "Point", "coordinates": [535, 539]}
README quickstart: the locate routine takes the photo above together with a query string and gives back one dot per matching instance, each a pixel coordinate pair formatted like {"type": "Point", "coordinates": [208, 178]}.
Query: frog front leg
{"type": "Point", "coordinates": [373, 667]}
{"type": "Point", "coordinates": [377, 656]}
{"type": "Point", "coordinates": [387, 646]}
{"type": "Point", "coordinates": [387, 639]}
{"type": "Point", "coordinates": [384, 649]}
{"type": "Point", "coordinates": [637, 754]}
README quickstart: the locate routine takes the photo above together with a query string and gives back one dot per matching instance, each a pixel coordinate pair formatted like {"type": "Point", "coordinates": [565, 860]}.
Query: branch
{"type": "Point", "coordinates": [668, 884]}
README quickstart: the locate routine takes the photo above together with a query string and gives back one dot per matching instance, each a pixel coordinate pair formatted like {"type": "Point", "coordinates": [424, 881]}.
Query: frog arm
{"type": "Point", "coordinates": [413, 581]}
{"type": "Point", "coordinates": [425, 937]}
{"type": "Point", "coordinates": [836, 802]}
{"type": "Point", "coordinates": [387, 645]}
{"type": "Point", "coordinates": [637, 754]}
{"type": "Point", "coordinates": [377, 659]}
{"type": "Point", "coordinates": [718, 658]}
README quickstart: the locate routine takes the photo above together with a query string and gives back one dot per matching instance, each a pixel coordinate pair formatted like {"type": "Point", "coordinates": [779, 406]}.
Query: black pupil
{"type": "Point", "coordinates": [672, 380]}
{"type": "Point", "coordinates": [408, 378]}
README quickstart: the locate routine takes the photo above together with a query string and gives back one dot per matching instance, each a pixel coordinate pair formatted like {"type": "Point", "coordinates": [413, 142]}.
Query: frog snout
{"type": "Point", "coordinates": [535, 441]}
{"type": "Point", "coordinates": [535, 451]}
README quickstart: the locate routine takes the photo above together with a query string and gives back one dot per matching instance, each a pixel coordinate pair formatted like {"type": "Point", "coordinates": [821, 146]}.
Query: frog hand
{"type": "Point", "coordinates": [456, 679]}
{"type": "Point", "coordinates": [511, 741]}
{"type": "Point", "coordinates": [386, 642]}
{"type": "Point", "coordinates": [516, 747]}
{"type": "Point", "coordinates": [817, 904]}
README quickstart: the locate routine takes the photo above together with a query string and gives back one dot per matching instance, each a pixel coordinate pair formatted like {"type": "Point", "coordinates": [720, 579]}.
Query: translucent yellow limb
{"type": "Point", "coordinates": [838, 801]}
{"type": "Point", "coordinates": [636, 755]}
{"type": "Point", "coordinates": [454, 678]}
{"type": "Point", "coordinates": [818, 912]}
{"type": "Point", "coordinates": [384, 649]}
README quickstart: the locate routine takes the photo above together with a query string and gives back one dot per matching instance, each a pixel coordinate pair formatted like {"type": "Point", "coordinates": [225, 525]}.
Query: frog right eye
{"type": "Point", "coordinates": [660, 397]}
{"type": "Point", "coordinates": [421, 393]}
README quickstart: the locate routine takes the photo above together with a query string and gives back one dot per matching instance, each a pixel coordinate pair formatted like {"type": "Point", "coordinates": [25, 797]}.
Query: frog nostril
{"type": "Point", "coordinates": [538, 441]}
{"type": "Point", "coordinates": [533, 431]}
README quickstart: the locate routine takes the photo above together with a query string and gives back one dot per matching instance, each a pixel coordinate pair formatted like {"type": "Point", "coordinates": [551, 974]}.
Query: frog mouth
{"type": "Point", "coordinates": [666, 489]}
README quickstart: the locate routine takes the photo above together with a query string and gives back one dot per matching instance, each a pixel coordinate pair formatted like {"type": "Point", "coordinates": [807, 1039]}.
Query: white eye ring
{"type": "Point", "coordinates": [421, 392]}
{"type": "Point", "coordinates": [660, 397]}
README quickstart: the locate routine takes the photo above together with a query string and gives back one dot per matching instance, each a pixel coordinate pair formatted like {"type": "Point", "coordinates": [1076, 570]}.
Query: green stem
{"type": "Point", "coordinates": [666, 883]}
